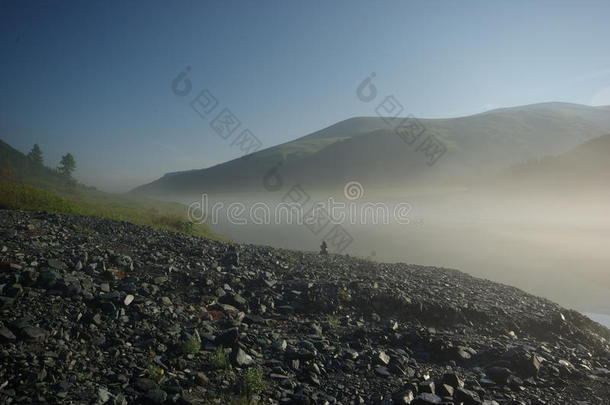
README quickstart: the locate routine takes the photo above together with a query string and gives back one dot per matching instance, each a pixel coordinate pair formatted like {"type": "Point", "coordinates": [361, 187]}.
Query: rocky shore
{"type": "Point", "coordinates": [101, 311]}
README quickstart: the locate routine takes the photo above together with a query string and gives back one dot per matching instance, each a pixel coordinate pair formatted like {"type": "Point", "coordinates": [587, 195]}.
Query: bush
{"type": "Point", "coordinates": [253, 382]}
{"type": "Point", "coordinates": [344, 295]}
{"type": "Point", "coordinates": [220, 360]}
{"type": "Point", "coordinates": [191, 346]}
{"type": "Point", "coordinates": [155, 373]}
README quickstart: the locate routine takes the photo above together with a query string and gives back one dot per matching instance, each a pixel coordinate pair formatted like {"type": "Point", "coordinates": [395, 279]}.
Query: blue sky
{"type": "Point", "coordinates": [94, 78]}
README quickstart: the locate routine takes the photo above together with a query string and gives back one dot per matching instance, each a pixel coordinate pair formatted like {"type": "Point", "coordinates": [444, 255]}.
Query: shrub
{"type": "Point", "coordinates": [220, 360]}
{"type": "Point", "coordinates": [253, 382]}
{"type": "Point", "coordinates": [155, 372]}
{"type": "Point", "coordinates": [344, 295]}
{"type": "Point", "coordinates": [191, 346]}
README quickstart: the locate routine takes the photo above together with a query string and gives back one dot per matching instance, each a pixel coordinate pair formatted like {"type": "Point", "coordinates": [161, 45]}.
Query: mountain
{"type": "Point", "coordinates": [368, 150]}
{"type": "Point", "coordinates": [586, 166]}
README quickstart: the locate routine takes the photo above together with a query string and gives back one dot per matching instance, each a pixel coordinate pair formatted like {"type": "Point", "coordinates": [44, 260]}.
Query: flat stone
{"type": "Point", "coordinates": [240, 358]}
{"type": "Point", "coordinates": [128, 300]}
{"type": "Point", "coordinates": [34, 333]}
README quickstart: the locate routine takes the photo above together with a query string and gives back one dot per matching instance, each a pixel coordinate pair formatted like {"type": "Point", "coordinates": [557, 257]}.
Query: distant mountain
{"type": "Point", "coordinates": [369, 150]}
{"type": "Point", "coordinates": [587, 167]}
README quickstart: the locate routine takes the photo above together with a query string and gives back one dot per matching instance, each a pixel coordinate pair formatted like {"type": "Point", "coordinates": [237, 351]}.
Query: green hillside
{"type": "Point", "coordinates": [23, 186]}
{"type": "Point", "coordinates": [368, 150]}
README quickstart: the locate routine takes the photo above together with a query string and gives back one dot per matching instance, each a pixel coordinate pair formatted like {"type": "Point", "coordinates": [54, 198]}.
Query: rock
{"type": "Point", "coordinates": [280, 345]}
{"type": "Point", "coordinates": [227, 338]}
{"type": "Point", "coordinates": [6, 335]}
{"type": "Point", "coordinates": [317, 330]}
{"type": "Point", "coordinates": [453, 380]}
{"type": "Point", "coordinates": [103, 395]}
{"type": "Point", "coordinates": [6, 302]}
{"type": "Point", "coordinates": [383, 358]}
{"type": "Point", "coordinates": [145, 384]}
{"type": "Point", "coordinates": [467, 397]}
{"type": "Point", "coordinates": [29, 277]}
{"type": "Point", "coordinates": [445, 390]}
{"type": "Point", "coordinates": [426, 399]}
{"type": "Point", "coordinates": [34, 333]}
{"type": "Point", "coordinates": [527, 365]}
{"type": "Point", "coordinates": [240, 358]}
{"type": "Point", "coordinates": [57, 264]}
{"type": "Point", "coordinates": [13, 291]}
{"type": "Point", "coordinates": [426, 387]}
{"type": "Point", "coordinates": [202, 378]}
{"type": "Point", "coordinates": [382, 371]}
{"type": "Point", "coordinates": [235, 300]}
{"type": "Point", "coordinates": [499, 375]}
{"type": "Point", "coordinates": [156, 396]}
{"type": "Point", "coordinates": [403, 397]}
{"type": "Point", "coordinates": [47, 278]}
{"type": "Point", "coordinates": [128, 299]}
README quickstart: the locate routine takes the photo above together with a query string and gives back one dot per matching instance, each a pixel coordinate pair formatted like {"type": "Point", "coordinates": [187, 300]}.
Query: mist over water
{"type": "Point", "coordinates": [553, 246]}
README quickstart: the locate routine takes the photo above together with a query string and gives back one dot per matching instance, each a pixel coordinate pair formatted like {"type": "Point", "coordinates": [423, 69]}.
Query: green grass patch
{"type": "Point", "coordinates": [138, 210]}
{"type": "Point", "coordinates": [253, 382]}
{"type": "Point", "coordinates": [220, 360]}
{"type": "Point", "coordinates": [30, 198]}
{"type": "Point", "coordinates": [191, 346]}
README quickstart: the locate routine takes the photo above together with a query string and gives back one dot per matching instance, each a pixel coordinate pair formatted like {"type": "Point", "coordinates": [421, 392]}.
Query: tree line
{"type": "Point", "coordinates": [66, 167]}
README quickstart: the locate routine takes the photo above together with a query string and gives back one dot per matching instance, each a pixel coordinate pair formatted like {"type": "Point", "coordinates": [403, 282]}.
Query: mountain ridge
{"type": "Point", "coordinates": [370, 151]}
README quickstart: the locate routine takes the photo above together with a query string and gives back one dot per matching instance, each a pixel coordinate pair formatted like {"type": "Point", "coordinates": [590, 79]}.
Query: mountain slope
{"type": "Point", "coordinates": [586, 166]}
{"type": "Point", "coordinates": [368, 150]}
{"type": "Point", "coordinates": [171, 318]}
{"type": "Point", "coordinates": [24, 186]}
{"type": "Point", "coordinates": [17, 166]}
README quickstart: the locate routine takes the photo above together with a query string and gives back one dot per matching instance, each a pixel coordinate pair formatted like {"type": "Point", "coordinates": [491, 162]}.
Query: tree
{"type": "Point", "coordinates": [35, 156]}
{"type": "Point", "coordinates": [67, 165]}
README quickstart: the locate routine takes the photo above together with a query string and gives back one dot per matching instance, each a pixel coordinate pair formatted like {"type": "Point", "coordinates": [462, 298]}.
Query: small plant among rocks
{"type": "Point", "coordinates": [344, 295]}
{"type": "Point", "coordinates": [192, 345]}
{"type": "Point", "coordinates": [333, 320]}
{"type": "Point", "coordinates": [242, 400]}
{"type": "Point", "coordinates": [253, 382]}
{"type": "Point", "coordinates": [220, 360]}
{"type": "Point", "coordinates": [155, 373]}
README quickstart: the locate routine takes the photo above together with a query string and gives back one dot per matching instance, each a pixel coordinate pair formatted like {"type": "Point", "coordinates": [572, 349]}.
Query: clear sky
{"type": "Point", "coordinates": [94, 78]}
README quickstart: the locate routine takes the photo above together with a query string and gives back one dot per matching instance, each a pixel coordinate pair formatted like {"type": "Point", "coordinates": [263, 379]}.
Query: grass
{"type": "Point", "coordinates": [155, 373]}
{"type": "Point", "coordinates": [333, 320]}
{"type": "Point", "coordinates": [344, 295]}
{"type": "Point", "coordinates": [191, 346]}
{"type": "Point", "coordinates": [253, 382]}
{"type": "Point", "coordinates": [220, 360]}
{"type": "Point", "coordinates": [242, 400]}
{"type": "Point", "coordinates": [26, 197]}
{"type": "Point", "coordinates": [81, 201]}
